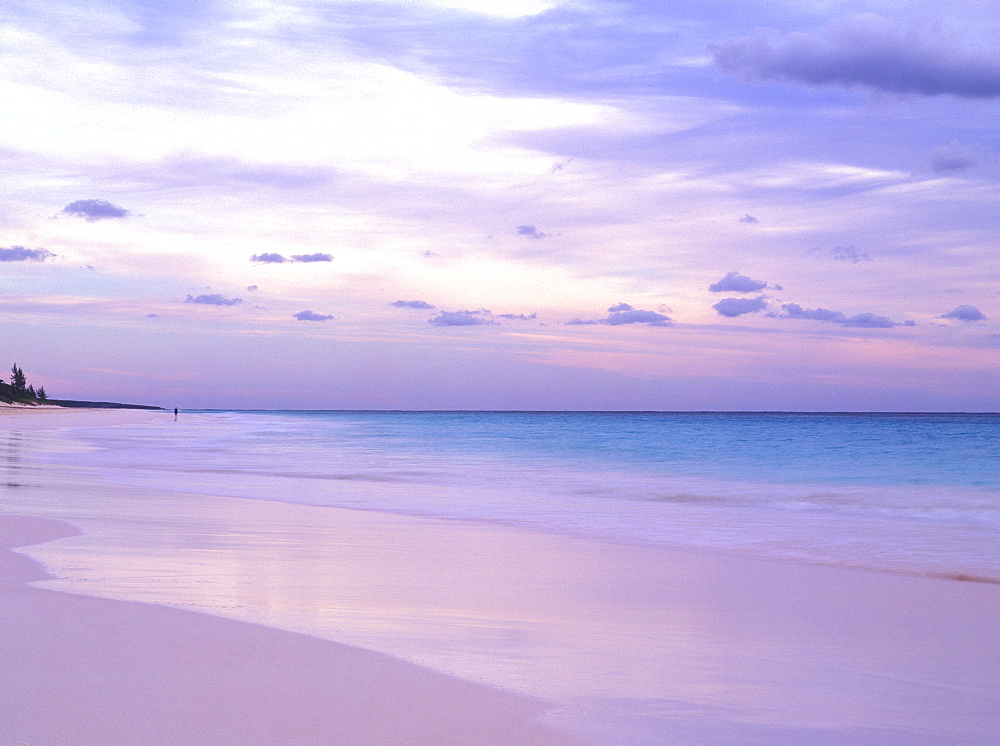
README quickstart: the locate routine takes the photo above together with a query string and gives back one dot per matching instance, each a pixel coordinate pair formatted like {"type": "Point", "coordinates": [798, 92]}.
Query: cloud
{"type": "Point", "coordinates": [636, 316]}
{"type": "Point", "coordinates": [869, 51]}
{"type": "Point", "coordinates": [481, 317]}
{"type": "Point", "coordinates": [215, 299]}
{"type": "Point", "coordinates": [463, 318]}
{"type": "Point", "coordinates": [843, 254]}
{"type": "Point", "coordinates": [269, 258]}
{"type": "Point", "coordinates": [237, 172]}
{"type": "Point", "coordinates": [531, 232]}
{"type": "Point", "coordinates": [21, 254]}
{"type": "Point", "coordinates": [733, 307]}
{"type": "Point", "coordinates": [964, 313]}
{"type": "Point", "coordinates": [411, 304]}
{"type": "Point", "coordinates": [849, 254]}
{"type": "Point", "coordinates": [253, 288]}
{"type": "Point", "coordinates": [955, 157]}
{"type": "Point", "coordinates": [863, 320]}
{"type": "Point", "coordinates": [749, 219]}
{"type": "Point", "coordinates": [272, 258]}
{"type": "Point", "coordinates": [871, 321]}
{"type": "Point", "coordinates": [795, 311]}
{"type": "Point", "coordinates": [311, 316]}
{"type": "Point", "coordinates": [573, 50]}
{"type": "Point", "coordinates": [622, 314]}
{"type": "Point", "coordinates": [734, 282]}
{"type": "Point", "coordinates": [95, 209]}
{"type": "Point", "coordinates": [312, 258]}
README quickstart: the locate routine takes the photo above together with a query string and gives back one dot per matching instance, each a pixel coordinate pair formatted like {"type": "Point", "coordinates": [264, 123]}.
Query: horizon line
{"type": "Point", "coordinates": [596, 411]}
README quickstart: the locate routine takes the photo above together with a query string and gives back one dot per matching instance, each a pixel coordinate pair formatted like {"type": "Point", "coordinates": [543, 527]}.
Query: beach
{"type": "Point", "coordinates": [77, 669]}
{"type": "Point", "coordinates": [86, 670]}
{"type": "Point", "coordinates": [195, 617]}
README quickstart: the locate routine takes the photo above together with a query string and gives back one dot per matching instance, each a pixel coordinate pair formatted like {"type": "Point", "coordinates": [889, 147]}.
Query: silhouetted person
{"type": "Point", "coordinates": [175, 413]}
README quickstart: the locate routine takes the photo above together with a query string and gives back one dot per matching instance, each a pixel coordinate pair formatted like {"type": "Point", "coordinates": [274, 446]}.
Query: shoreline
{"type": "Point", "coordinates": [77, 669]}
{"type": "Point", "coordinates": [628, 643]}
{"type": "Point", "coordinates": [899, 528]}
{"type": "Point", "coordinates": [63, 405]}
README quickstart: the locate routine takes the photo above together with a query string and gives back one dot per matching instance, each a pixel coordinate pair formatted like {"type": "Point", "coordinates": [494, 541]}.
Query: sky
{"type": "Point", "coordinates": [515, 204]}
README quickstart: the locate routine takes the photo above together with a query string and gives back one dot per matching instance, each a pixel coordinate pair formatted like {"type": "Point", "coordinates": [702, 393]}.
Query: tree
{"type": "Point", "coordinates": [17, 380]}
{"type": "Point", "coordinates": [31, 391]}
{"type": "Point", "coordinates": [41, 393]}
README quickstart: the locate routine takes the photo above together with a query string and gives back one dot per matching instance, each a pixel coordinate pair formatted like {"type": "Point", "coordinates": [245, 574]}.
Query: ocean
{"type": "Point", "coordinates": [904, 493]}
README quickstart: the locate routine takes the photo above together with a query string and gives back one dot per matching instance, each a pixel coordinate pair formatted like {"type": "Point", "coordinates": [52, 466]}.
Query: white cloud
{"type": "Point", "coordinates": [269, 104]}
{"type": "Point", "coordinates": [501, 9]}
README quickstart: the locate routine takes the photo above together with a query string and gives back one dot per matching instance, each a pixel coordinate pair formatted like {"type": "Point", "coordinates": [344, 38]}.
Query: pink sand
{"type": "Point", "coordinates": [75, 669]}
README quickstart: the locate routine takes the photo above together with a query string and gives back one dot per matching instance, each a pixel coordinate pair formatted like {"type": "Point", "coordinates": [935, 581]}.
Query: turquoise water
{"type": "Point", "coordinates": [787, 448]}
{"type": "Point", "coordinates": [916, 493]}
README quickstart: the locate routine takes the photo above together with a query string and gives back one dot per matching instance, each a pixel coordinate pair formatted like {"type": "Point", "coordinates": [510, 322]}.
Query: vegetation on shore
{"type": "Point", "coordinates": [19, 391]}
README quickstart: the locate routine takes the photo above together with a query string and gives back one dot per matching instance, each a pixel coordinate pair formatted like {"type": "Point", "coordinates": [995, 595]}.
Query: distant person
{"type": "Point", "coordinates": [175, 413]}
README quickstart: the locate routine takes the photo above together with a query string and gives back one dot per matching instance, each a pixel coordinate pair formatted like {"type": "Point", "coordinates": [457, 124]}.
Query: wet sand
{"type": "Point", "coordinates": [75, 669]}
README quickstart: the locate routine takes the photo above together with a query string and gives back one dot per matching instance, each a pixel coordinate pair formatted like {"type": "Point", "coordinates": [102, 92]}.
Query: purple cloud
{"type": "Point", "coordinates": [312, 257]}
{"type": "Point", "coordinates": [636, 316]}
{"type": "Point", "coordinates": [214, 299]}
{"type": "Point", "coordinates": [862, 320]}
{"type": "Point", "coordinates": [463, 318]}
{"type": "Point", "coordinates": [517, 316]}
{"type": "Point", "coordinates": [733, 307]}
{"type": "Point", "coordinates": [734, 282]}
{"type": "Point", "coordinates": [21, 254]}
{"type": "Point", "coordinates": [964, 313]}
{"type": "Point", "coordinates": [622, 314]}
{"type": "Point", "coordinates": [531, 232]}
{"type": "Point", "coordinates": [749, 219]}
{"type": "Point", "coordinates": [955, 157]}
{"type": "Point", "coordinates": [795, 311]}
{"type": "Point", "coordinates": [867, 51]}
{"type": "Point", "coordinates": [849, 254]}
{"type": "Point", "coordinates": [272, 258]}
{"type": "Point", "coordinates": [95, 209]}
{"type": "Point", "coordinates": [871, 321]}
{"type": "Point", "coordinates": [311, 316]}
{"type": "Point", "coordinates": [411, 304]}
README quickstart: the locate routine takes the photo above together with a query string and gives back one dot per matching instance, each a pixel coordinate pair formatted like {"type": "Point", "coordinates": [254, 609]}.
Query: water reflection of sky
{"type": "Point", "coordinates": [13, 445]}
{"type": "Point", "coordinates": [620, 639]}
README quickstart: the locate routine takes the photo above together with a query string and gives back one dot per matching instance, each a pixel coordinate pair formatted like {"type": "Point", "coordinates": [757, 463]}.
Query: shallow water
{"type": "Point", "coordinates": [913, 493]}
